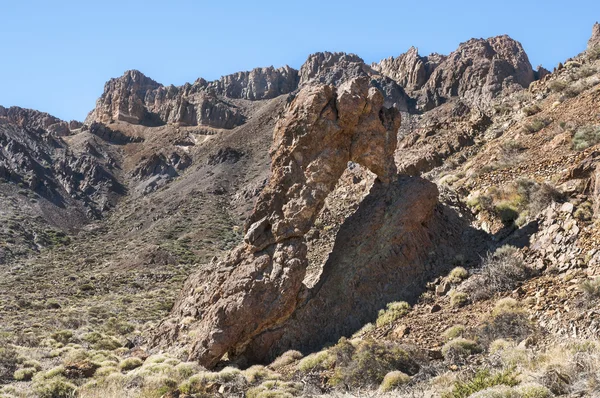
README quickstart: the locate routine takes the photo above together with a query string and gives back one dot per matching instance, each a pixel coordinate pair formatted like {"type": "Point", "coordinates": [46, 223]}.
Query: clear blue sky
{"type": "Point", "coordinates": [57, 55]}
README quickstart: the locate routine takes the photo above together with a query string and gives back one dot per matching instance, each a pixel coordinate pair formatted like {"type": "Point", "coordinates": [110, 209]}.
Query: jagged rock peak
{"type": "Point", "coordinates": [137, 99]}
{"type": "Point", "coordinates": [259, 83]}
{"type": "Point", "coordinates": [595, 39]}
{"type": "Point", "coordinates": [478, 71]}
{"type": "Point", "coordinates": [326, 66]}
{"type": "Point", "coordinates": [410, 70]}
{"type": "Point", "coordinates": [34, 120]}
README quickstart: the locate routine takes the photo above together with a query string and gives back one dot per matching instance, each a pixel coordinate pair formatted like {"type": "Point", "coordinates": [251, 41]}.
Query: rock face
{"type": "Point", "coordinates": [337, 68]}
{"type": "Point", "coordinates": [595, 39]}
{"type": "Point", "coordinates": [410, 70]}
{"type": "Point", "coordinates": [381, 254]}
{"type": "Point", "coordinates": [256, 287]}
{"type": "Point", "coordinates": [476, 72]}
{"type": "Point", "coordinates": [260, 83]}
{"type": "Point", "coordinates": [137, 99]}
{"type": "Point", "coordinates": [34, 155]}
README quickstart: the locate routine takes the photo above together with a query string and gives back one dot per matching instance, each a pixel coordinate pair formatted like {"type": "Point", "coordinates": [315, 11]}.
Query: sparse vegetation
{"type": "Point", "coordinates": [393, 380]}
{"type": "Point", "coordinates": [458, 274]}
{"type": "Point", "coordinates": [392, 313]}
{"type": "Point", "coordinates": [586, 137]}
{"type": "Point", "coordinates": [483, 380]}
{"type": "Point", "coordinates": [502, 270]}
{"type": "Point", "coordinates": [458, 299]}
{"type": "Point", "coordinates": [460, 347]}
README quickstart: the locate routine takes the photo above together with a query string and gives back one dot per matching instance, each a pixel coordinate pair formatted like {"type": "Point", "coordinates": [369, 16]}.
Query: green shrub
{"type": "Point", "coordinates": [533, 390]}
{"type": "Point", "coordinates": [367, 362]}
{"type": "Point", "coordinates": [586, 137]}
{"type": "Point", "coordinates": [461, 347]}
{"type": "Point", "coordinates": [62, 336]}
{"type": "Point", "coordinates": [458, 299]}
{"type": "Point", "coordinates": [394, 380]}
{"type": "Point", "coordinates": [458, 275]}
{"type": "Point", "coordinates": [454, 331]}
{"type": "Point", "coordinates": [286, 358]}
{"type": "Point", "coordinates": [394, 311]}
{"type": "Point", "coordinates": [276, 389]}
{"type": "Point", "coordinates": [130, 363]}
{"type": "Point", "coordinates": [482, 380]}
{"type": "Point", "coordinates": [259, 373]}
{"type": "Point", "coordinates": [55, 388]}
{"type": "Point", "coordinates": [315, 362]}
{"type": "Point", "coordinates": [24, 374]}
{"type": "Point", "coordinates": [101, 342]}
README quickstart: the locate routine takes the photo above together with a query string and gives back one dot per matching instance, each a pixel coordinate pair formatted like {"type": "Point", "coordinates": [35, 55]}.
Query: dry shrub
{"type": "Point", "coordinates": [501, 271]}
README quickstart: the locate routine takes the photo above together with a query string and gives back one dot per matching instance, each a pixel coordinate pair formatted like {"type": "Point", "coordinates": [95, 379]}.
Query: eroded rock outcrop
{"type": "Point", "coordinates": [410, 69]}
{"type": "Point", "coordinates": [594, 41]}
{"type": "Point", "coordinates": [256, 287]}
{"type": "Point", "coordinates": [476, 72]}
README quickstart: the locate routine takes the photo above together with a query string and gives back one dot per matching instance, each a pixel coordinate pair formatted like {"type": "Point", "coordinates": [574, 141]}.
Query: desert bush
{"type": "Point", "coordinates": [62, 336]}
{"type": "Point", "coordinates": [367, 362]}
{"type": "Point", "coordinates": [591, 288]}
{"type": "Point", "coordinates": [99, 341]}
{"type": "Point", "coordinates": [502, 270]}
{"type": "Point", "coordinates": [57, 387]}
{"type": "Point", "coordinates": [482, 380]}
{"type": "Point", "coordinates": [508, 321]}
{"type": "Point", "coordinates": [9, 360]}
{"type": "Point", "coordinates": [458, 275]}
{"type": "Point", "coordinates": [536, 124]}
{"type": "Point", "coordinates": [24, 374]}
{"type": "Point", "coordinates": [531, 110]}
{"type": "Point", "coordinates": [533, 390]}
{"type": "Point", "coordinates": [393, 312]}
{"type": "Point", "coordinates": [584, 212]}
{"type": "Point", "coordinates": [315, 362]}
{"type": "Point", "coordinates": [454, 331]}
{"type": "Point", "coordinates": [276, 389]}
{"type": "Point", "coordinates": [557, 85]}
{"type": "Point", "coordinates": [394, 380]}
{"type": "Point", "coordinates": [258, 373]}
{"type": "Point", "coordinates": [286, 358]}
{"type": "Point", "coordinates": [130, 363]}
{"type": "Point", "coordinates": [458, 299]}
{"type": "Point", "coordinates": [460, 347]}
{"type": "Point", "coordinates": [586, 137]}
{"type": "Point", "coordinates": [507, 212]}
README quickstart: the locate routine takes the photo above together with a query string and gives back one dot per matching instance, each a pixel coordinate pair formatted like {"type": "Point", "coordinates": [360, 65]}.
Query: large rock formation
{"type": "Point", "coordinates": [137, 99]}
{"type": "Point", "coordinates": [256, 287]}
{"type": "Point", "coordinates": [337, 68]}
{"type": "Point", "coordinates": [476, 72]}
{"type": "Point", "coordinates": [259, 83]}
{"type": "Point", "coordinates": [410, 70]}
{"type": "Point", "coordinates": [594, 41]}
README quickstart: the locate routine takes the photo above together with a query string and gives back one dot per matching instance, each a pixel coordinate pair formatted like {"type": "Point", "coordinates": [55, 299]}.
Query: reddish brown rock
{"type": "Point", "coordinates": [256, 287]}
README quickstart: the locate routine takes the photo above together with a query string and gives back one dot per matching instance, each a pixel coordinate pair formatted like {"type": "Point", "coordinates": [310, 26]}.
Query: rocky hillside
{"type": "Point", "coordinates": [422, 226]}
